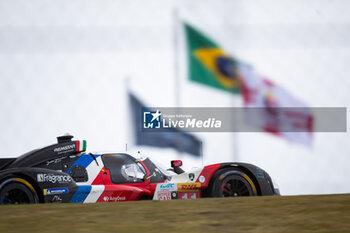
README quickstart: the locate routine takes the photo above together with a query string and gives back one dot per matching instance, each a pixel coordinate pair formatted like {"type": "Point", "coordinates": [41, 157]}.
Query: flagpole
{"type": "Point", "coordinates": [128, 115]}
{"type": "Point", "coordinates": [176, 71]}
{"type": "Point", "coordinates": [234, 104]}
{"type": "Point", "coordinates": [176, 57]}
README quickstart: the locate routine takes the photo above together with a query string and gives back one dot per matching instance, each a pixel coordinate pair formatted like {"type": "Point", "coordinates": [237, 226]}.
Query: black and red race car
{"type": "Point", "coordinates": [64, 172]}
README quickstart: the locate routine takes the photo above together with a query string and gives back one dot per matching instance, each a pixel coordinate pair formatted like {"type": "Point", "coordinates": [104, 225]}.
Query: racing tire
{"type": "Point", "coordinates": [233, 183]}
{"type": "Point", "coordinates": [18, 193]}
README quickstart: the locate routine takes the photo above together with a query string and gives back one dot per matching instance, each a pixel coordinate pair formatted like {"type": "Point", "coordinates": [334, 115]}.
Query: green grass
{"type": "Point", "coordinates": [324, 213]}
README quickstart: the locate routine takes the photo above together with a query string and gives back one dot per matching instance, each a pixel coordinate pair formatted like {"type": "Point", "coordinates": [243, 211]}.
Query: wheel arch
{"type": "Point", "coordinates": [27, 181]}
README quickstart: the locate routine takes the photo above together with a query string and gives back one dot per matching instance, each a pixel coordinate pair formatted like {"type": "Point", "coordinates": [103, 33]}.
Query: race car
{"type": "Point", "coordinates": [65, 172]}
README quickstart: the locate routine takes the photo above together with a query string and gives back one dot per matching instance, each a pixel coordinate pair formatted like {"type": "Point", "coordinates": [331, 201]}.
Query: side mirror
{"type": "Point", "coordinates": [176, 163]}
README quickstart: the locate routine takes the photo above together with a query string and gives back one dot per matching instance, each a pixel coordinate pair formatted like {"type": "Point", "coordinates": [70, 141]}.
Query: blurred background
{"type": "Point", "coordinates": [65, 67]}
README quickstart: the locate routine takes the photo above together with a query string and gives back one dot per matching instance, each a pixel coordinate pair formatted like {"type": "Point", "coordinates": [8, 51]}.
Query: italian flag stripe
{"type": "Point", "coordinates": [84, 145]}
{"type": "Point", "coordinates": [80, 145]}
{"type": "Point", "coordinates": [77, 146]}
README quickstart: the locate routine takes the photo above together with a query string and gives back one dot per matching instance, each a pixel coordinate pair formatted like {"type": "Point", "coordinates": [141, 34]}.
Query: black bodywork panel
{"type": "Point", "coordinates": [45, 169]}
{"type": "Point", "coordinates": [44, 181]}
{"type": "Point", "coordinates": [53, 152]}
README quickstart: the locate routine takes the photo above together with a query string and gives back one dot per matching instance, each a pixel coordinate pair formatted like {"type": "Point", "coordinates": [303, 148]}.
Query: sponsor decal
{"type": "Point", "coordinates": [201, 179]}
{"type": "Point", "coordinates": [189, 194]}
{"type": "Point", "coordinates": [55, 191]}
{"type": "Point", "coordinates": [188, 186]}
{"type": "Point", "coordinates": [166, 191]}
{"type": "Point", "coordinates": [191, 176]}
{"type": "Point", "coordinates": [64, 149]}
{"type": "Point", "coordinates": [174, 195]}
{"type": "Point", "coordinates": [164, 195]}
{"type": "Point", "coordinates": [115, 199]}
{"type": "Point", "coordinates": [260, 173]}
{"type": "Point", "coordinates": [167, 187]}
{"type": "Point", "coordinates": [53, 178]}
{"type": "Point", "coordinates": [55, 160]}
{"type": "Point", "coordinates": [56, 198]}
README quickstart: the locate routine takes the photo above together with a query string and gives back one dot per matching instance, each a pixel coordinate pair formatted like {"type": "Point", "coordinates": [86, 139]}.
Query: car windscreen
{"type": "Point", "coordinates": [157, 172]}
{"type": "Point", "coordinates": [123, 168]}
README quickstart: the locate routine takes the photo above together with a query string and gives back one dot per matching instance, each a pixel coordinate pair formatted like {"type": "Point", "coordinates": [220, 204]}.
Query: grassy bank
{"type": "Point", "coordinates": [326, 213]}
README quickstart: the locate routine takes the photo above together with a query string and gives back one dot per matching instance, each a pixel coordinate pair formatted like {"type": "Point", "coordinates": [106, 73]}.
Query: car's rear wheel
{"type": "Point", "coordinates": [17, 193]}
{"type": "Point", "coordinates": [233, 183]}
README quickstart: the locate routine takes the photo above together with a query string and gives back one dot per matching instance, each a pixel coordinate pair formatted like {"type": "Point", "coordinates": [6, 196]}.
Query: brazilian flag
{"type": "Point", "coordinates": [209, 64]}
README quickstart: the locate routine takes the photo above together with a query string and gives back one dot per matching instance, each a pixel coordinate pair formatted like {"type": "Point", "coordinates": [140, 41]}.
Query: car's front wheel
{"type": "Point", "coordinates": [233, 183]}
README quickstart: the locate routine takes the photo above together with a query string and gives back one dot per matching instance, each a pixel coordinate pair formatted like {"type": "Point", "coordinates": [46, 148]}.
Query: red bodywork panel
{"type": "Point", "coordinates": [207, 173]}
